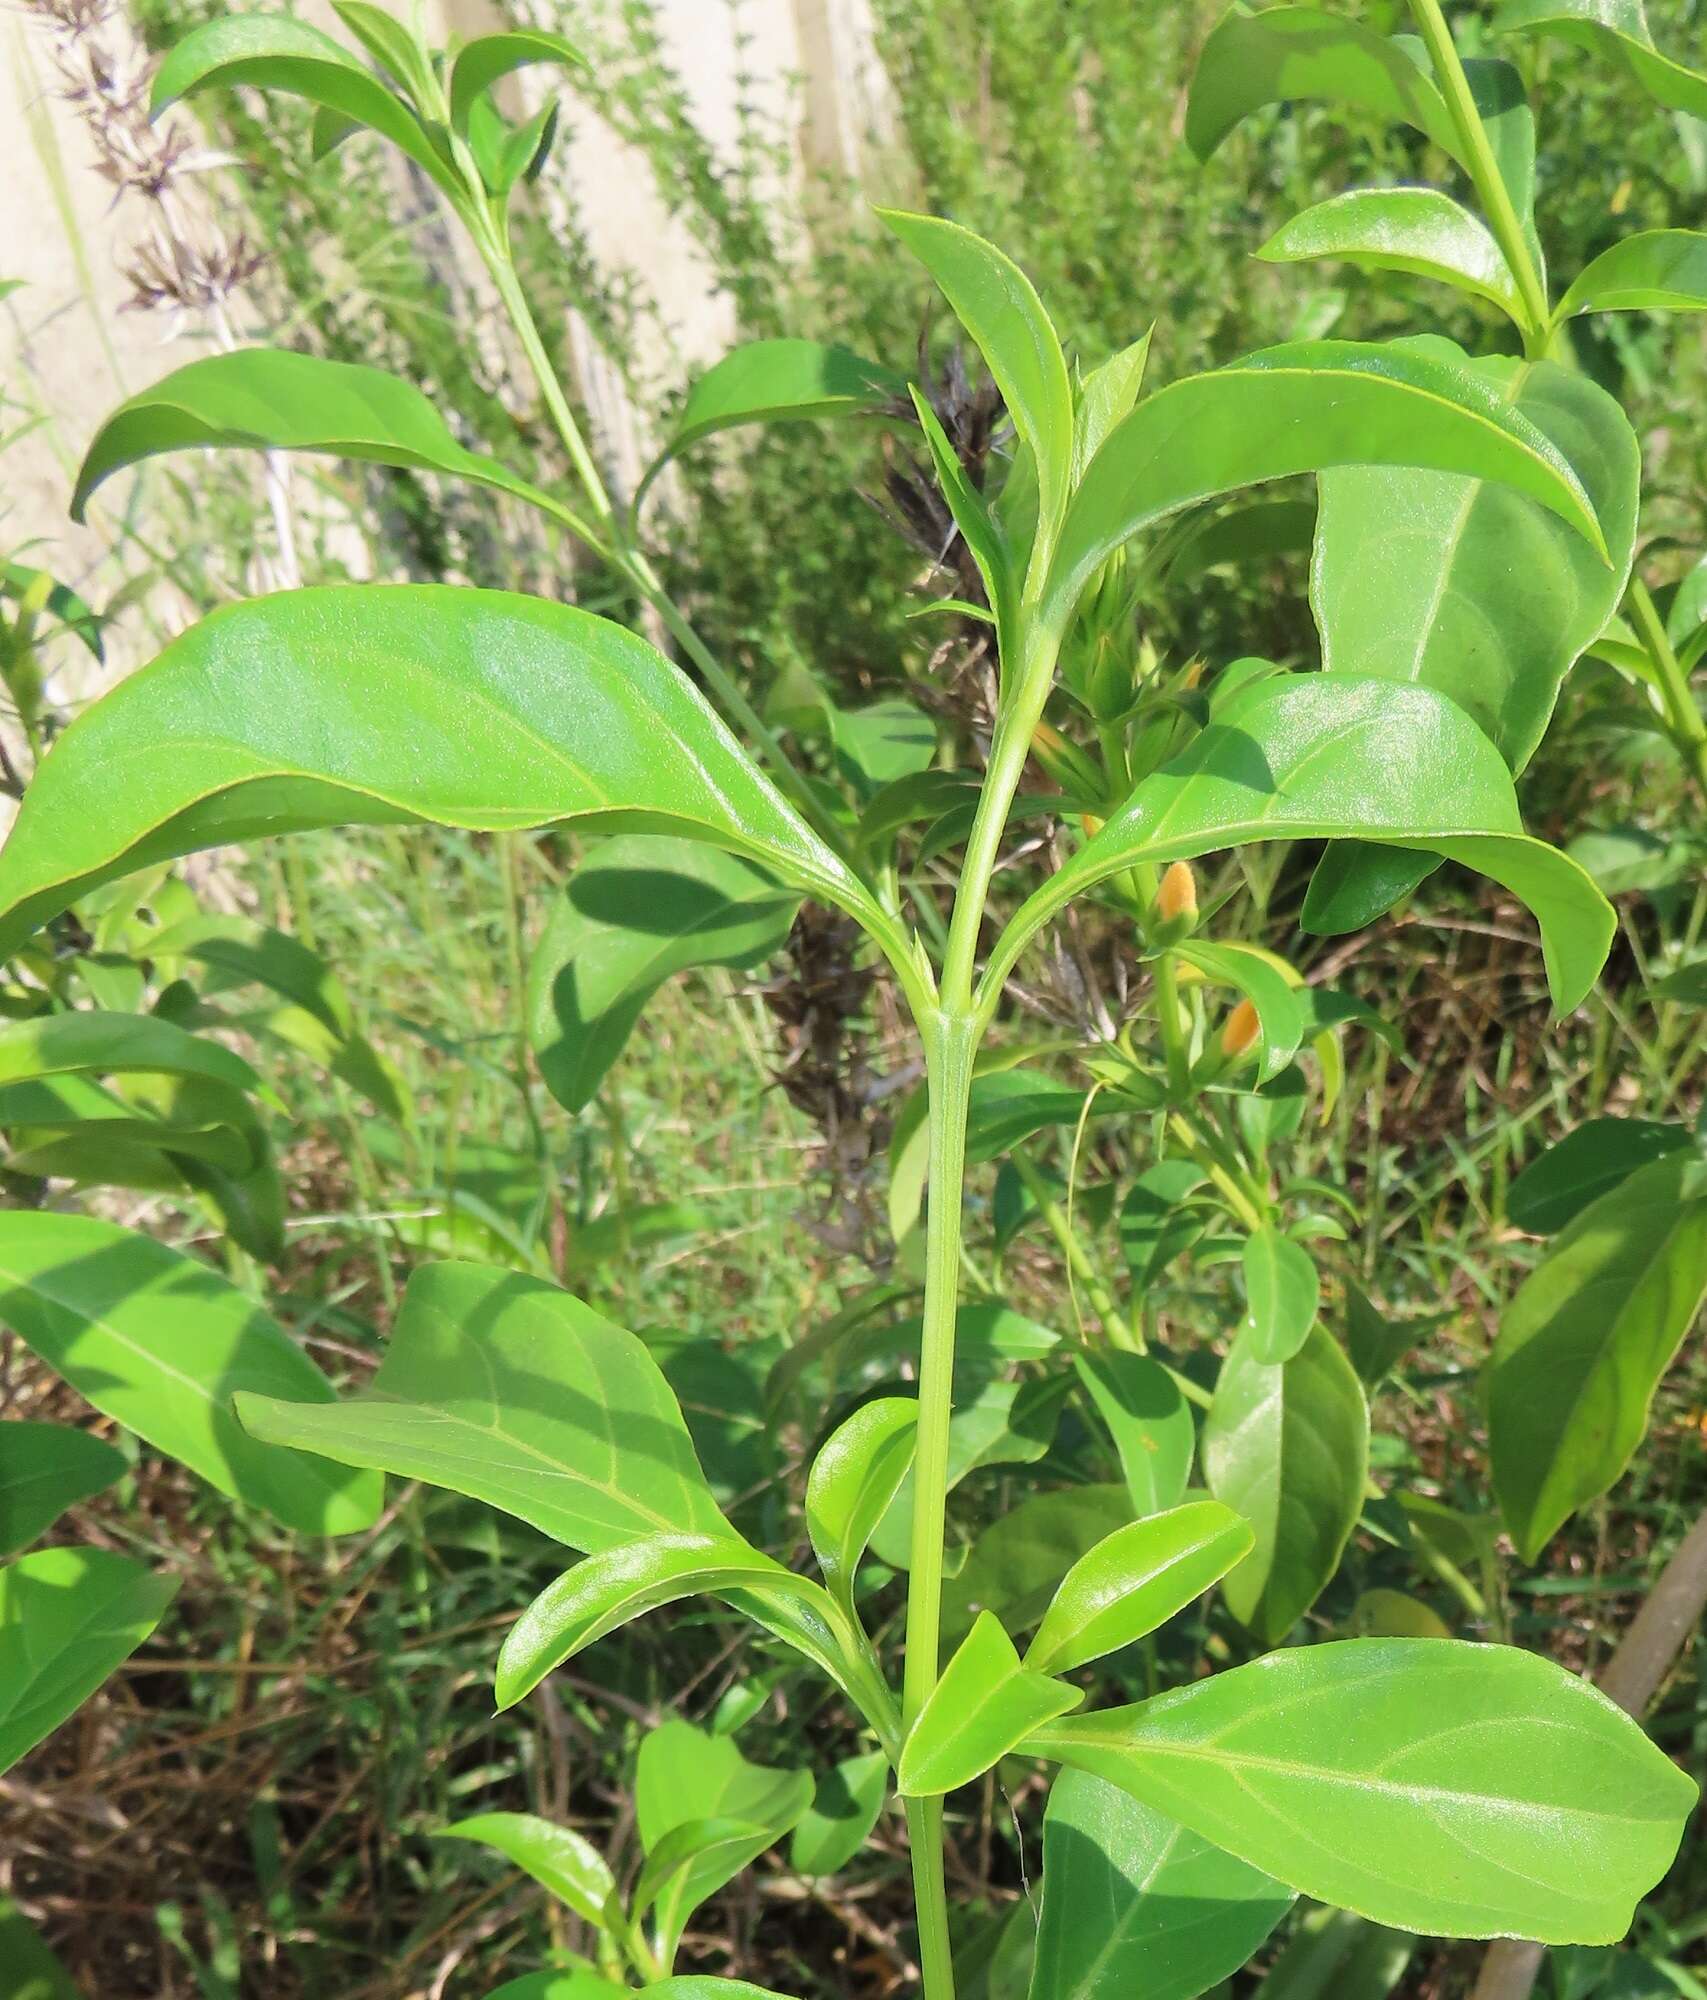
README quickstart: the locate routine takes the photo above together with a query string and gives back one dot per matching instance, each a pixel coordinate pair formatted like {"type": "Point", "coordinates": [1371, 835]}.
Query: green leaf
{"type": "Point", "coordinates": [1284, 55]}
{"type": "Point", "coordinates": [1255, 975]}
{"type": "Point", "coordinates": [1307, 407]}
{"type": "Point", "coordinates": [1658, 270]}
{"type": "Point", "coordinates": [35, 1973]}
{"type": "Point", "coordinates": [1333, 1955]}
{"type": "Point", "coordinates": [278, 52]}
{"type": "Point", "coordinates": [997, 304]}
{"type": "Point", "coordinates": [327, 707]}
{"type": "Point", "coordinates": [1585, 1342]}
{"type": "Point", "coordinates": [1135, 1905]}
{"type": "Point", "coordinates": [616, 1585]}
{"type": "Point", "coordinates": [1106, 397]}
{"type": "Point", "coordinates": [685, 1777]}
{"type": "Point", "coordinates": [1328, 755]}
{"type": "Point", "coordinates": [696, 1988]}
{"type": "Point", "coordinates": [1555, 1188]}
{"type": "Point", "coordinates": [1466, 585]}
{"type": "Point", "coordinates": [502, 1387]}
{"type": "Point", "coordinates": [118, 1045]}
{"type": "Point", "coordinates": [639, 909]}
{"type": "Point", "coordinates": [983, 1706]}
{"type": "Point", "coordinates": [20, 582]}
{"type": "Point", "coordinates": [316, 1019]}
{"type": "Point", "coordinates": [1149, 1420]}
{"type": "Point", "coordinates": [1155, 1223]}
{"type": "Point", "coordinates": [845, 1808]}
{"type": "Point", "coordinates": [778, 381]}
{"type": "Point", "coordinates": [45, 1468]}
{"type": "Point", "coordinates": [1377, 1344]}
{"type": "Point", "coordinates": [555, 1856]}
{"type": "Point", "coordinates": [161, 1343]}
{"type": "Point", "coordinates": [1135, 1580]}
{"type": "Point", "coordinates": [1282, 1292]}
{"type": "Point", "coordinates": [1617, 31]}
{"type": "Point", "coordinates": [1246, 534]}
{"type": "Point", "coordinates": [387, 40]}
{"type": "Point", "coordinates": [979, 527]}
{"type": "Point", "coordinates": [1287, 1447]}
{"type": "Point", "coordinates": [853, 1484]}
{"type": "Point", "coordinates": [1483, 1791]}
{"type": "Point", "coordinates": [68, 1618]}
{"type": "Point", "coordinates": [265, 398]}
{"type": "Point", "coordinates": [484, 61]}
{"type": "Point", "coordinates": [1015, 1564]}
{"type": "Point", "coordinates": [877, 745]}
{"type": "Point", "coordinates": [578, 1984]}
{"type": "Point", "coordinates": [1357, 882]}
{"type": "Point", "coordinates": [1418, 231]}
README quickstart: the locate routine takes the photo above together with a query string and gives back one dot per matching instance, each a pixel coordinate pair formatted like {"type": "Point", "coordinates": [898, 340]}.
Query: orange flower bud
{"type": "Point", "coordinates": [1241, 1031]}
{"type": "Point", "coordinates": [1091, 824]}
{"type": "Point", "coordinates": [1177, 896]}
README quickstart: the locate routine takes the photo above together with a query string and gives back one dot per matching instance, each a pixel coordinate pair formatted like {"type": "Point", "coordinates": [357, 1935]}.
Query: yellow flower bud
{"type": "Point", "coordinates": [1177, 896]}
{"type": "Point", "coordinates": [1242, 1029]}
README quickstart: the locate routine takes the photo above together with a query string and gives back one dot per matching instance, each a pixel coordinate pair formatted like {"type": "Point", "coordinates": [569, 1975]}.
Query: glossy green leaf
{"type": "Point", "coordinates": [684, 1777]}
{"type": "Point", "coordinates": [639, 909]}
{"type": "Point", "coordinates": [1287, 1448]}
{"type": "Point", "coordinates": [279, 52]}
{"type": "Point", "coordinates": [1149, 1421]}
{"type": "Point", "coordinates": [1584, 1344]}
{"type": "Point", "coordinates": [616, 1585]}
{"type": "Point", "coordinates": [1586, 1163]}
{"type": "Point", "coordinates": [847, 1805]}
{"type": "Point", "coordinates": [23, 583]}
{"type": "Point", "coordinates": [1357, 882]}
{"type": "Point", "coordinates": [1282, 1291]}
{"type": "Point", "coordinates": [1280, 55]}
{"type": "Point", "coordinates": [779, 381]}
{"type": "Point", "coordinates": [1136, 1907]}
{"type": "Point", "coordinates": [1135, 1580]}
{"type": "Point", "coordinates": [45, 1468]}
{"type": "Point", "coordinates": [502, 1387]}
{"type": "Point", "coordinates": [1106, 397]}
{"type": "Point", "coordinates": [161, 1343]}
{"type": "Point", "coordinates": [485, 61]}
{"type": "Point", "coordinates": [1457, 1790]}
{"type": "Point", "coordinates": [1657, 270]}
{"type": "Point", "coordinates": [1330, 755]}
{"type": "Point", "coordinates": [270, 398]}
{"type": "Point", "coordinates": [555, 1856]}
{"type": "Point", "coordinates": [1015, 1564]}
{"type": "Point", "coordinates": [1418, 231]}
{"type": "Point", "coordinates": [853, 1484]}
{"type": "Point", "coordinates": [326, 707]}
{"type": "Point", "coordinates": [1617, 31]}
{"type": "Point", "coordinates": [1307, 407]}
{"type": "Point", "coordinates": [984, 1705]}
{"type": "Point", "coordinates": [1468, 586]}
{"type": "Point", "coordinates": [68, 1618]}
{"type": "Point", "coordinates": [998, 306]}
{"type": "Point", "coordinates": [1376, 1343]}
{"type": "Point", "coordinates": [692, 1987]}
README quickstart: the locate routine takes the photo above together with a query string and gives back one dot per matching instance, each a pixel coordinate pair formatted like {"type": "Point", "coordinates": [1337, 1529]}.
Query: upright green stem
{"type": "Point", "coordinates": [1684, 718]}
{"type": "Point", "coordinates": [1484, 169]}
{"type": "Point", "coordinates": [950, 1032]}
{"type": "Point", "coordinates": [949, 1042]}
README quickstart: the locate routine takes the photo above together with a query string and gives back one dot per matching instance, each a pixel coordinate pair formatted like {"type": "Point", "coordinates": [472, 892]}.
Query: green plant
{"type": "Point", "coordinates": [1360, 1772]}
